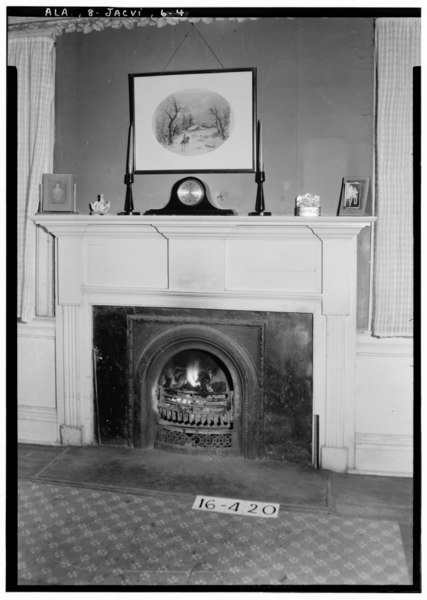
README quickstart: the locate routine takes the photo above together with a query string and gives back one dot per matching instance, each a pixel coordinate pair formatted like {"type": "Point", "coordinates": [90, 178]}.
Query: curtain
{"type": "Point", "coordinates": [398, 51]}
{"type": "Point", "coordinates": [34, 57]}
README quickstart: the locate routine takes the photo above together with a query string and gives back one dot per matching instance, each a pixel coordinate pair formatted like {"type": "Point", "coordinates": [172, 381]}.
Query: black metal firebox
{"type": "Point", "coordinates": [196, 387]}
{"type": "Point", "coordinates": [204, 381]}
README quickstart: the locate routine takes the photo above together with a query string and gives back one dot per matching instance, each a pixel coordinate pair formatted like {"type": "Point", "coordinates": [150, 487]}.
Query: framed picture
{"type": "Point", "coordinates": [193, 121]}
{"type": "Point", "coordinates": [58, 193]}
{"type": "Point", "coordinates": [354, 192]}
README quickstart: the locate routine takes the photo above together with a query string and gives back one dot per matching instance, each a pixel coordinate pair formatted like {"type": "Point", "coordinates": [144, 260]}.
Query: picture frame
{"type": "Point", "coordinates": [354, 193]}
{"type": "Point", "coordinates": [58, 193]}
{"type": "Point", "coordinates": [193, 121]}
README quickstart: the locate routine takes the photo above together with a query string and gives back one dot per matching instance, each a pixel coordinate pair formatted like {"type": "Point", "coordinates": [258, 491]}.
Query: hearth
{"type": "Point", "coordinates": [205, 381]}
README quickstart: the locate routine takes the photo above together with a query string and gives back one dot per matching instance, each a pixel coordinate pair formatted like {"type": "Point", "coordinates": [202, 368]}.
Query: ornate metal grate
{"type": "Point", "coordinates": [191, 409]}
{"type": "Point", "coordinates": [193, 439]}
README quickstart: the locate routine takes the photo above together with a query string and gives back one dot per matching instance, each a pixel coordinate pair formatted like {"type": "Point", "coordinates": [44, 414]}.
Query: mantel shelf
{"type": "Point", "coordinates": [200, 226]}
{"type": "Point", "coordinates": [47, 218]}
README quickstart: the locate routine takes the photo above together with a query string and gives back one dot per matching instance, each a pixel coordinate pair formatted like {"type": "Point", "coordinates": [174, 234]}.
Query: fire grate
{"type": "Point", "coordinates": [194, 410]}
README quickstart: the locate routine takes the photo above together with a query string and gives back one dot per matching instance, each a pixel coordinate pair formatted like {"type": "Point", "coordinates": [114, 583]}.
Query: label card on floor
{"type": "Point", "coordinates": [238, 507]}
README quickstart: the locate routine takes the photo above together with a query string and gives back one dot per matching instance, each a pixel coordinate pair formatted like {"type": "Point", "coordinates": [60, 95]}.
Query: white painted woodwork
{"type": "Point", "coordinates": [196, 264]}
{"type": "Point", "coordinates": [145, 265]}
{"type": "Point", "coordinates": [34, 357]}
{"type": "Point", "coordinates": [274, 264]}
{"type": "Point", "coordinates": [37, 410]}
{"type": "Point", "coordinates": [69, 269]}
{"type": "Point", "coordinates": [384, 415]}
{"type": "Point", "coordinates": [286, 264]}
{"type": "Point", "coordinates": [68, 373]}
{"type": "Point", "coordinates": [384, 454]}
{"type": "Point", "coordinates": [45, 304]}
{"type": "Point", "coordinates": [339, 258]}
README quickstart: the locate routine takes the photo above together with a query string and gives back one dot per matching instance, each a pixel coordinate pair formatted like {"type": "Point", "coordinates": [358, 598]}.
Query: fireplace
{"type": "Point", "coordinates": [290, 268]}
{"type": "Point", "coordinates": [206, 381]}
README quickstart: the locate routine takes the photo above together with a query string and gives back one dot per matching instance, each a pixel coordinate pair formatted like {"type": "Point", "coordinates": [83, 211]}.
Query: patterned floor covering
{"type": "Point", "coordinates": [79, 536]}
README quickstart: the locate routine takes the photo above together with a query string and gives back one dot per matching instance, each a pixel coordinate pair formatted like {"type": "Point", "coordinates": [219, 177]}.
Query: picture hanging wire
{"type": "Point", "coordinates": [182, 42]}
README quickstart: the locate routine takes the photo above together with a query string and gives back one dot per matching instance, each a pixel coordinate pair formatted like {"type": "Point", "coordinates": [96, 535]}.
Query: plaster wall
{"type": "Point", "coordinates": [315, 80]}
{"type": "Point", "coordinates": [315, 100]}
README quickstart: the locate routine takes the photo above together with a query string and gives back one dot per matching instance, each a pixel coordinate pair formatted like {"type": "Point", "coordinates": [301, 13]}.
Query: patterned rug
{"type": "Point", "coordinates": [78, 536]}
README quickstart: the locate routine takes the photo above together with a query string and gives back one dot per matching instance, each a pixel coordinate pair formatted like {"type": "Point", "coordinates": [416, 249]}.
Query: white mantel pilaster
{"type": "Point", "coordinates": [286, 264]}
{"type": "Point", "coordinates": [339, 262]}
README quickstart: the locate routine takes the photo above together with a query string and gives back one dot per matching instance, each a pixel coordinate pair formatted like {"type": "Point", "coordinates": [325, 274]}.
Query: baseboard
{"type": "Point", "coordinates": [384, 454]}
{"type": "Point", "coordinates": [37, 413]}
{"type": "Point", "coordinates": [37, 425]}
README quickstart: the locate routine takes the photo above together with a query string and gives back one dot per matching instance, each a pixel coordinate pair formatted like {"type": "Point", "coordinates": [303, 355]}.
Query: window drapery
{"type": "Point", "coordinates": [34, 57]}
{"type": "Point", "coordinates": [398, 42]}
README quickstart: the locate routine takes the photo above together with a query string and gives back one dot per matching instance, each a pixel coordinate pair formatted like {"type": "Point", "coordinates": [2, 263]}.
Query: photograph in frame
{"type": "Point", "coordinates": [354, 193]}
{"type": "Point", "coordinates": [58, 193]}
{"type": "Point", "coordinates": [196, 121]}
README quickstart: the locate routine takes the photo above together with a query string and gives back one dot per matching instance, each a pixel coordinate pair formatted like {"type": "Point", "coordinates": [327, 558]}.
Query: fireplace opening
{"type": "Point", "coordinates": [195, 388]}
{"type": "Point", "coordinates": [205, 381]}
{"type": "Point", "coordinates": [195, 403]}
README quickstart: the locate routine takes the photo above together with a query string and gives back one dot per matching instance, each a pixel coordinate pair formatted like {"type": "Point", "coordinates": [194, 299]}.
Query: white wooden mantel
{"type": "Point", "coordinates": [277, 263]}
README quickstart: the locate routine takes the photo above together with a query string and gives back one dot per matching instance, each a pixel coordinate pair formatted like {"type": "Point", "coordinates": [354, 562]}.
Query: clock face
{"type": "Point", "coordinates": [190, 192]}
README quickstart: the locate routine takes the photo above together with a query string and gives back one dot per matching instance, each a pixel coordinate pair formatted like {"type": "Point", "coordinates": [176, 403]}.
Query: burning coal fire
{"type": "Point", "coordinates": [193, 391]}
{"type": "Point", "coordinates": [194, 377]}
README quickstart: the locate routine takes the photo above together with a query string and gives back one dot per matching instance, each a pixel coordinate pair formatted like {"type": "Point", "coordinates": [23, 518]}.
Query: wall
{"type": "Point", "coordinates": [315, 100]}
{"type": "Point", "coordinates": [37, 408]}
{"type": "Point", "coordinates": [384, 405]}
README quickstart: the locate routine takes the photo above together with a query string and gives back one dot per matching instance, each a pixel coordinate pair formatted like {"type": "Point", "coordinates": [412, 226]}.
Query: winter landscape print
{"type": "Point", "coordinates": [198, 121]}
{"type": "Point", "coordinates": [193, 122]}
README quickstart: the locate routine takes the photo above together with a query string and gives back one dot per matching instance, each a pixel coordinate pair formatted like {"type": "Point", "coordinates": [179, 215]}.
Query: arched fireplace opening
{"type": "Point", "coordinates": [195, 389]}
{"type": "Point", "coordinates": [195, 403]}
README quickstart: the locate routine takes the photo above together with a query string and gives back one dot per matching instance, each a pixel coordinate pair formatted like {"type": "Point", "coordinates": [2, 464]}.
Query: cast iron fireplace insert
{"type": "Point", "coordinates": [205, 381]}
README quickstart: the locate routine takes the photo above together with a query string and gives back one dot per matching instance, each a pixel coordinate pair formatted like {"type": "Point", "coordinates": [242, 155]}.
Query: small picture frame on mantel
{"type": "Point", "coordinates": [354, 193]}
{"type": "Point", "coordinates": [58, 193]}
